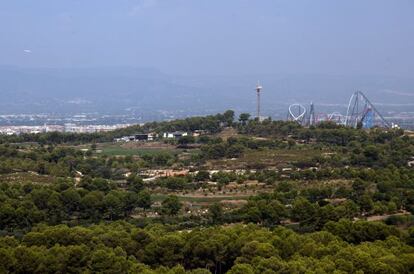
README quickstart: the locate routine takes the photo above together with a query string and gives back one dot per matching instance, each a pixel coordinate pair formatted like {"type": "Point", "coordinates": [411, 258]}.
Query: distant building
{"type": "Point", "coordinates": [10, 132]}
{"type": "Point", "coordinates": [199, 132]}
{"type": "Point", "coordinates": [69, 127]}
{"type": "Point", "coordinates": [144, 137]}
{"type": "Point", "coordinates": [174, 135]}
{"type": "Point", "coordinates": [140, 137]}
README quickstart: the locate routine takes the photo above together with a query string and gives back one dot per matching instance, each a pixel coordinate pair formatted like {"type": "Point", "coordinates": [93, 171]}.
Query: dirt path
{"type": "Point", "coordinates": [386, 216]}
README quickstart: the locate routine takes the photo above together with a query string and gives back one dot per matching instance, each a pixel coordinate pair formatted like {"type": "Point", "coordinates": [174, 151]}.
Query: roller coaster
{"type": "Point", "coordinates": [360, 113]}
{"type": "Point", "coordinates": [297, 112]}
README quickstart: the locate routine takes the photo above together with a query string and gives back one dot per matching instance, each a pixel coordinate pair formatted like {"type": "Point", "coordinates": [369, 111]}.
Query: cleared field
{"type": "Point", "coordinates": [266, 158]}
{"type": "Point", "coordinates": [26, 177]}
{"type": "Point", "coordinates": [112, 149]}
{"type": "Point", "coordinates": [227, 133]}
{"type": "Point", "coordinates": [205, 199]}
{"type": "Point", "coordinates": [279, 155]}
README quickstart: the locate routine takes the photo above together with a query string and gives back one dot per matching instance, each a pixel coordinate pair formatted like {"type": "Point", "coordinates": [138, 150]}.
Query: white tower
{"type": "Point", "coordinates": [258, 90]}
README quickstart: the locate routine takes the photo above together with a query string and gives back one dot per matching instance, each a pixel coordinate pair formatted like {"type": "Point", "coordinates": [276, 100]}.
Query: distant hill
{"type": "Point", "coordinates": [116, 90]}
{"type": "Point", "coordinates": [101, 90]}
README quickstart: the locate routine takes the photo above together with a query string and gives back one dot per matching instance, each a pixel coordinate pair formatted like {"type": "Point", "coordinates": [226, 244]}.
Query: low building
{"type": "Point", "coordinates": [199, 132]}
{"type": "Point", "coordinates": [174, 135]}
{"type": "Point", "coordinates": [139, 137]}
{"type": "Point", "coordinates": [70, 127]}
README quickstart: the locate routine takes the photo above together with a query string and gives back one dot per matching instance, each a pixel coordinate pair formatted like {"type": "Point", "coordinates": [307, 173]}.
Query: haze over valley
{"type": "Point", "coordinates": [143, 94]}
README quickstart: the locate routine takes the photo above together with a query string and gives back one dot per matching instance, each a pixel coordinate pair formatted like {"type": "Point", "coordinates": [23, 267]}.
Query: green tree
{"type": "Point", "coordinates": [166, 250]}
{"type": "Point", "coordinates": [55, 208]}
{"type": "Point", "coordinates": [71, 200]}
{"type": "Point", "coordinates": [244, 117]}
{"type": "Point", "coordinates": [108, 261]}
{"type": "Point", "coordinates": [241, 269]}
{"type": "Point", "coordinates": [228, 117]}
{"type": "Point", "coordinates": [92, 205]}
{"type": "Point", "coordinates": [129, 201]}
{"type": "Point", "coordinates": [291, 143]}
{"type": "Point", "coordinates": [216, 212]}
{"type": "Point", "coordinates": [235, 151]}
{"type": "Point", "coordinates": [113, 204]}
{"type": "Point", "coordinates": [170, 206]}
{"type": "Point", "coordinates": [144, 200]}
{"type": "Point", "coordinates": [256, 249]}
{"type": "Point", "coordinates": [7, 260]}
{"type": "Point", "coordinates": [303, 210]}
{"type": "Point", "coordinates": [202, 175]}
{"type": "Point", "coordinates": [185, 140]}
{"type": "Point", "coordinates": [135, 183]}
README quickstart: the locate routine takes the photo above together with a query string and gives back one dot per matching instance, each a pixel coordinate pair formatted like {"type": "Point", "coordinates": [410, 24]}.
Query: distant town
{"type": "Point", "coordinates": [98, 122]}
{"type": "Point", "coordinates": [69, 127]}
{"type": "Point", "coordinates": [165, 135]}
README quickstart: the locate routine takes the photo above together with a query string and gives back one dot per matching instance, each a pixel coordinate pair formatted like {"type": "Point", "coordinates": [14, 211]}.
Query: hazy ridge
{"type": "Point", "coordinates": [118, 90]}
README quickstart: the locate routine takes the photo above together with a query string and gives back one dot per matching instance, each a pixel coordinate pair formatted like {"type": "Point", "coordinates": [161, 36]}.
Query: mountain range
{"type": "Point", "coordinates": [123, 89]}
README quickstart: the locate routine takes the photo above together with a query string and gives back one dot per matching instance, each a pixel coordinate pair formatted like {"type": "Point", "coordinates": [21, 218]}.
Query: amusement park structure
{"type": "Point", "coordinates": [360, 113]}
{"type": "Point", "coordinates": [297, 113]}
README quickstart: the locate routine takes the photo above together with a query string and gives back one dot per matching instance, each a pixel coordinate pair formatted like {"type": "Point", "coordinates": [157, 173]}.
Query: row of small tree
{"type": "Point", "coordinates": [123, 248]}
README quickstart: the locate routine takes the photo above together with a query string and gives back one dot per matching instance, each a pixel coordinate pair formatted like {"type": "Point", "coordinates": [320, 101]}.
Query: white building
{"type": "Point", "coordinates": [174, 135]}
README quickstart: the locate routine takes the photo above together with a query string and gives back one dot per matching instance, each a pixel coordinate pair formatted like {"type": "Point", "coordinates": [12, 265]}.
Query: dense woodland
{"type": "Point", "coordinates": [65, 208]}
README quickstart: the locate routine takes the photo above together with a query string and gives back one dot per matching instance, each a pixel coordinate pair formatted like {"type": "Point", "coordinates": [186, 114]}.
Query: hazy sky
{"type": "Point", "coordinates": [212, 36]}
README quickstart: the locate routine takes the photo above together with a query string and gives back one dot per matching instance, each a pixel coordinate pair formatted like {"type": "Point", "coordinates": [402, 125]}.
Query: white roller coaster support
{"type": "Point", "coordinates": [347, 111]}
{"type": "Point", "coordinates": [354, 98]}
{"type": "Point", "coordinates": [301, 115]}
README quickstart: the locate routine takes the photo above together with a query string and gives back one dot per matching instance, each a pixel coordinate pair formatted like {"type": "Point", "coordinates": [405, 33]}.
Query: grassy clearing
{"type": "Point", "coordinates": [277, 156]}
{"type": "Point", "coordinates": [227, 133]}
{"type": "Point", "coordinates": [111, 149]}
{"type": "Point", "coordinates": [266, 158]}
{"type": "Point", "coordinates": [26, 177]}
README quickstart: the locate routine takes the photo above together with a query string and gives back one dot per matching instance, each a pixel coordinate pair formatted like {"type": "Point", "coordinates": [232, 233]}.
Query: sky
{"type": "Point", "coordinates": [214, 37]}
